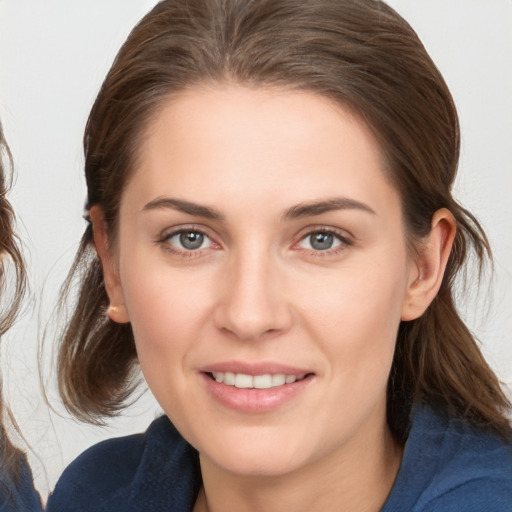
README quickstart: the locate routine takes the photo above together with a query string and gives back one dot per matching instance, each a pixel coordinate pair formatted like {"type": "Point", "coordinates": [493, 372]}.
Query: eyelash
{"type": "Point", "coordinates": [341, 236]}
{"type": "Point", "coordinates": [164, 241]}
{"type": "Point", "coordinates": [344, 241]}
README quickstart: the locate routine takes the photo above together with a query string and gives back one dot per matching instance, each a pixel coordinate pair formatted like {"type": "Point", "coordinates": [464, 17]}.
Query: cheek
{"type": "Point", "coordinates": [166, 311]}
{"type": "Point", "coordinates": [356, 314]}
{"type": "Point", "coordinates": [361, 292]}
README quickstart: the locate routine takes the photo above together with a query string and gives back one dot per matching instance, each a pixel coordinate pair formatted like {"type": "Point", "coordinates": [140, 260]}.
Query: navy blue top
{"type": "Point", "coordinates": [18, 495]}
{"type": "Point", "coordinates": [447, 467]}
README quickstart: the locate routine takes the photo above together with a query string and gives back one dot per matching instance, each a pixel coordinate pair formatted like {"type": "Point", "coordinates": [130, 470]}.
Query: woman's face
{"type": "Point", "coordinates": [262, 263]}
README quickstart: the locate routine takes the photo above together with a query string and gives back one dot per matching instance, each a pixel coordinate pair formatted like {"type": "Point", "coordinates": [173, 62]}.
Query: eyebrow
{"type": "Point", "coordinates": [295, 212]}
{"type": "Point", "coordinates": [183, 206]}
{"type": "Point", "coordinates": [328, 205]}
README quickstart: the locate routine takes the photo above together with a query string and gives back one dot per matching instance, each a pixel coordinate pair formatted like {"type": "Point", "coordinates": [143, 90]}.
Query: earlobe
{"type": "Point", "coordinates": [117, 311]}
{"type": "Point", "coordinates": [430, 264]}
{"type": "Point", "coordinates": [118, 314]}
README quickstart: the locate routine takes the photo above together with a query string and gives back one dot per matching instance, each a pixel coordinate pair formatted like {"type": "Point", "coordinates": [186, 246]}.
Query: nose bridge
{"type": "Point", "coordinates": [253, 303]}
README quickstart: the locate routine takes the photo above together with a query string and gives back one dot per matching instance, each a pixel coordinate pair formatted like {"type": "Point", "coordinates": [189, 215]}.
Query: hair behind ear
{"type": "Point", "coordinates": [437, 359]}
{"type": "Point", "coordinates": [97, 357]}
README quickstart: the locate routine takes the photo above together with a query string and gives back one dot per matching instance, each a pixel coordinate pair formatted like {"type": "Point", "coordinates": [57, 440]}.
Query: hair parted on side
{"type": "Point", "coordinates": [12, 290]}
{"type": "Point", "coordinates": [360, 54]}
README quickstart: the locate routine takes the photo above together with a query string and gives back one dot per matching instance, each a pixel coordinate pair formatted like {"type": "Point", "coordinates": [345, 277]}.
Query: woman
{"type": "Point", "coordinates": [273, 239]}
{"type": "Point", "coordinates": [16, 489]}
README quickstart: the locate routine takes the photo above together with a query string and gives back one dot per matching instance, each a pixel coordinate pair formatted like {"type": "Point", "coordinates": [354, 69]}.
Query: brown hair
{"type": "Point", "coordinates": [360, 54]}
{"type": "Point", "coordinates": [11, 294]}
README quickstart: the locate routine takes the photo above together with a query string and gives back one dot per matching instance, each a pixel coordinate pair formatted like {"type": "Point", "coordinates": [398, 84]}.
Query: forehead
{"type": "Point", "coordinates": [234, 143]}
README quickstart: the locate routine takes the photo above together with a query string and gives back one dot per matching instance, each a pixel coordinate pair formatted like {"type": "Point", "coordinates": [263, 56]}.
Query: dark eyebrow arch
{"type": "Point", "coordinates": [183, 206]}
{"type": "Point", "coordinates": [319, 207]}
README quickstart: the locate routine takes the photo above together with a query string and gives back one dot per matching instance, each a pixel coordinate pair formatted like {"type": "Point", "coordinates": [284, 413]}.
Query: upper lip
{"type": "Point", "coordinates": [254, 368]}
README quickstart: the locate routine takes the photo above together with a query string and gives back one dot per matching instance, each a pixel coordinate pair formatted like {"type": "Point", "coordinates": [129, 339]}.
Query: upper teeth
{"type": "Point", "coordinates": [242, 380]}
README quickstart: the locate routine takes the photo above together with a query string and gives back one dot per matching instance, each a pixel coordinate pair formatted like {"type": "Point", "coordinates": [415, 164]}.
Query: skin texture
{"type": "Point", "coordinates": [258, 292]}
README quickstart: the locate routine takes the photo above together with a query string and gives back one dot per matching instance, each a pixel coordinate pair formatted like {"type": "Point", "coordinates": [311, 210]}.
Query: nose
{"type": "Point", "coordinates": [252, 300]}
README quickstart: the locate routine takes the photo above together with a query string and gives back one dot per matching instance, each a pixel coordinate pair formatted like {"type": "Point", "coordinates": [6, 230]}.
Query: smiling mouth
{"type": "Point", "coordinates": [265, 381]}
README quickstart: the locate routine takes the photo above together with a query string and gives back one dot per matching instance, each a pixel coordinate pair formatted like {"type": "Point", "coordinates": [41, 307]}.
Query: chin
{"type": "Point", "coordinates": [255, 455]}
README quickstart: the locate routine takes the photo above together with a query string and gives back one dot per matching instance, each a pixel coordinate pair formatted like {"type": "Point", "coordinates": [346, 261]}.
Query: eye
{"type": "Point", "coordinates": [321, 241]}
{"type": "Point", "coordinates": [189, 240]}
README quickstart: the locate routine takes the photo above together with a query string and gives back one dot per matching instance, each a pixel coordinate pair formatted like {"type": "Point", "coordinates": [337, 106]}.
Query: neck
{"type": "Point", "coordinates": [357, 478]}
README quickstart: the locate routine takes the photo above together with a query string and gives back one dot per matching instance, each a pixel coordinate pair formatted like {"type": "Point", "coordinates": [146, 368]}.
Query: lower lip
{"type": "Point", "coordinates": [254, 400]}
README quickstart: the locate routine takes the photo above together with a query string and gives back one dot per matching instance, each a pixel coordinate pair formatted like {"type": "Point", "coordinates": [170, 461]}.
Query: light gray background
{"type": "Point", "coordinates": [53, 57]}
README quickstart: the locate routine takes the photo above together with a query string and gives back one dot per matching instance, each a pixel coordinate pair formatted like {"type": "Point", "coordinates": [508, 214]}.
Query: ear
{"type": "Point", "coordinates": [429, 265]}
{"type": "Point", "coordinates": [117, 310]}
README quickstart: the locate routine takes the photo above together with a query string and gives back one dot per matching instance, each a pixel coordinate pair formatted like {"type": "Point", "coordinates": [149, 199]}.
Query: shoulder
{"type": "Point", "coordinates": [17, 494]}
{"type": "Point", "coordinates": [104, 468]}
{"type": "Point", "coordinates": [120, 473]}
{"type": "Point", "coordinates": [449, 465]}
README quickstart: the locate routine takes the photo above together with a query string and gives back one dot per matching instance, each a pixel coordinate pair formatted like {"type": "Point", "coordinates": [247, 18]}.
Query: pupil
{"type": "Point", "coordinates": [191, 240]}
{"type": "Point", "coordinates": [322, 241]}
